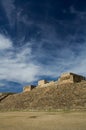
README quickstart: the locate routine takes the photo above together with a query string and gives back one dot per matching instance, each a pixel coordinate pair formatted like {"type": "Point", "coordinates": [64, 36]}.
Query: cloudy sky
{"type": "Point", "coordinates": [40, 39]}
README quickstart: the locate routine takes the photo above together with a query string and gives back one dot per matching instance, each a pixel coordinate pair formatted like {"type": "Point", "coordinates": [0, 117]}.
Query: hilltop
{"type": "Point", "coordinates": [62, 96]}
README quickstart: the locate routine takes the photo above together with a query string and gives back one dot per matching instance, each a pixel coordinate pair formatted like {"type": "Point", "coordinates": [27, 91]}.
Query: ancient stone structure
{"type": "Point", "coordinates": [28, 88]}
{"type": "Point", "coordinates": [64, 79]}
{"type": "Point", "coordinates": [70, 78]}
{"type": "Point", "coordinates": [51, 83]}
{"type": "Point", "coordinates": [42, 82]}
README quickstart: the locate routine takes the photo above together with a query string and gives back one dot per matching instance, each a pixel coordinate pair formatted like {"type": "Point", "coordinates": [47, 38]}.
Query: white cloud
{"type": "Point", "coordinates": [5, 43]}
{"type": "Point", "coordinates": [19, 72]}
{"type": "Point", "coordinates": [2, 84]}
{"type": "Point", "coordinates": [17, 66]}
{"type": "Point", "coordinates": [24, 66]}
{"type": "Point", "coordinates": [64, 59]}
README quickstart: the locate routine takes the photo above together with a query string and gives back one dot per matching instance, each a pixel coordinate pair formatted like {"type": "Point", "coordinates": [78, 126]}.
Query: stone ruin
{"type": "Point", "coordinates": [28, 88]}
{"type": "Point", "coordinates": [42, 83]}
{"type": "Point", "coordinates": [45, 83]}
{"type": "Point", "coordinates": [64, 79]}
{"type": "Point", "coordinates": [70, 78]}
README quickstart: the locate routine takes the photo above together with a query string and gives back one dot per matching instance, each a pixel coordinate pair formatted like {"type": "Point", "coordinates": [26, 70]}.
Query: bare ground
{"type": "Point", "coordinates": [42, 120]}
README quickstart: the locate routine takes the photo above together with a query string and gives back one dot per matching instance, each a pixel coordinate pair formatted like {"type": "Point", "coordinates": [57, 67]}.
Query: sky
{"type": "Point", "coordinates": [40, 39]}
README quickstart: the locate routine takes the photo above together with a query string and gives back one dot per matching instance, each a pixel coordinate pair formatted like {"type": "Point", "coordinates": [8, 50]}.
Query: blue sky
{"type": "Point", "coordinates": [40, 39]}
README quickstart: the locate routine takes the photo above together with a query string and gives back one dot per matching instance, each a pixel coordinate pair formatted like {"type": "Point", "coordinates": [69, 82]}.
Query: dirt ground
{"type": "Point", "coordinates": [42, 120]}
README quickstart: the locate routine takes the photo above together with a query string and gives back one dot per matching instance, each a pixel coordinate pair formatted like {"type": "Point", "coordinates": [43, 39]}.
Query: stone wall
{"type": "Point", "coordinates": [64, 79]}
{"type": "Point", "coordinates": [70, 78]}
{"type": "Point", "coordinates": [46, 83]}
{"type": "Point", "coordinates": [28, 88]}
{"type": "Point", "coordinates": [42, 82]}
{"type": "Point", "coordinates": [78, 78]}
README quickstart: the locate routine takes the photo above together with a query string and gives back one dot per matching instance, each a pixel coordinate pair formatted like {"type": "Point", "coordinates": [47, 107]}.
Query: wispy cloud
{"type": "Point", "coordinates": [5, 43]}
{"type": "Point", "coordinates": [60, 47]}
{"type": "Point", "coordinates": [17, 66]}
{"type": "Point", "coordinates": [27, 64]}
{"type": "Point", "coordinates": [10, 10]}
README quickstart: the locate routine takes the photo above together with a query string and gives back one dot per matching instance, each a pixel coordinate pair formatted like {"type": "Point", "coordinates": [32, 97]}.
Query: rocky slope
{"type": "Point", "coordinates": [67, 96]}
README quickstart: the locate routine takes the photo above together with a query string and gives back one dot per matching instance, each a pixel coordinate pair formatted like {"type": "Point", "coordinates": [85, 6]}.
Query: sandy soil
{"type": "Point", "coordinates": [42, 120]}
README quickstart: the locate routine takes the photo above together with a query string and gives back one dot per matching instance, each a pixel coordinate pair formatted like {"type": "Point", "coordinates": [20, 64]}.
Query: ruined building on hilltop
{"type": "Point", "coordinates": [42, 82]}
{"type": "Point", "coordinates": [70, 78]}
{"type": "Point", "coordinates": [28, 88]}
{"type": "Point", "coordinates": [64, 79]}
{"type": "Point", "coordinates": [45, 83]}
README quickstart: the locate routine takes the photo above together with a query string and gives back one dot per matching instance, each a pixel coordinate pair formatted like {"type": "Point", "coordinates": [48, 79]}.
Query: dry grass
{"type": "Point", "coordinates": [43, 121]}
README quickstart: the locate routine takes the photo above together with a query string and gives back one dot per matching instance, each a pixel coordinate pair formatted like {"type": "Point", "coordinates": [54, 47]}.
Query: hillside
{"type": "Point", "coordinates": [67, 96]}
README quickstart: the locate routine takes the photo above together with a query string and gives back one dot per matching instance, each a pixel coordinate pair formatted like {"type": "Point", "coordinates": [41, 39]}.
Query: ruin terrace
{"type": "Point", "coordinates": [65, 78]}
